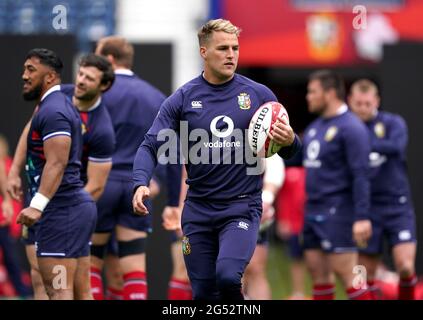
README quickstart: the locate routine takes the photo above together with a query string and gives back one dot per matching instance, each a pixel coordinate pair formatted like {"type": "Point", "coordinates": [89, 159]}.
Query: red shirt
{"type": "Point", "coordinates": [15, 229]}
{"type": "Point", "coordinates": [290, 200]}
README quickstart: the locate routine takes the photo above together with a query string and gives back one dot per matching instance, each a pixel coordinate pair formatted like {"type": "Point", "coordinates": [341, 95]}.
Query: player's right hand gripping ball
{"type": "Point", "coordinates": [260, 124]}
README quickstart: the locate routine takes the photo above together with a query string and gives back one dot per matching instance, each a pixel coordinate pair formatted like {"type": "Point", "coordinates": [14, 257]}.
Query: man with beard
{"type": "Point", "coordinates": [336, 152]}
{"type": "Point", "coordinates": [65, 212]}
{"type": "Point", "coordinates": [94, 77]}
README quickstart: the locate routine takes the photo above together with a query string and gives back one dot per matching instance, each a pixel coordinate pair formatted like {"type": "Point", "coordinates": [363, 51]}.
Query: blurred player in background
{"type": "Point", "coordinates": [392, 212]}
{"type": "Point", "coordinates": [336, 152]}
{"type": "Point", "coordinates": [95, 76]}
{"type": "Point", "coordinates": [9, 229]}
{"type": "Point", "coordinates": [256, 285]}
{"type": "Point", "coordinates": [223, 205]}
{"type": "Point", "coordinates": [132, 104]}
{"type": "Point", "coordinates": [113, 275]}
{"type": "Point", "coordinates": [6, 204]}
{"type": "Point", "coordinates": [289, 207]}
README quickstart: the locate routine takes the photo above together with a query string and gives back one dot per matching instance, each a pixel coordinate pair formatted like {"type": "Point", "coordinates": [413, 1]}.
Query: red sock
{"type": "Point", "coordinates": [373, 290]}
{"type": "Point", "coordinates": [135, 286]}
{"type": "Point", "coordinates": [407, 287]}
{"type": "Point", "coordinates": [96, 284]}
{"type": "Point", "coordinates": [114, 294]}
{"type": "Point", "coordinates": [323, 292]}
{"type": "Point", "coordinates": [179, 290]}
{"type": "Point", "coordinates": [359, 294]}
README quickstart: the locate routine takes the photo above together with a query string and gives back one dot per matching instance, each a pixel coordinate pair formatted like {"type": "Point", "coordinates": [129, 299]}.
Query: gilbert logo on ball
{"type": "Point", "coordinates": [261, 124]}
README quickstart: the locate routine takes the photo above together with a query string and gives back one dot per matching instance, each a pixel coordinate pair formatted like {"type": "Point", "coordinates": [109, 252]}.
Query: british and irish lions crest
{"type": "Point", "coordinates": [186, 247]}
{"type": "Point", "coordinates": [244, 101]}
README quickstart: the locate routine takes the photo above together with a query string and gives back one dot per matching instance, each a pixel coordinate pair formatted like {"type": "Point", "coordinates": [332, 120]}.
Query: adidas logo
{"type": "Point", "coordinates": [196, 104]}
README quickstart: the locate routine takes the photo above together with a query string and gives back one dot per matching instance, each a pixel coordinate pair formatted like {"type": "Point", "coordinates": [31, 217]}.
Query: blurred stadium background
{"type": "Point", "coordinates": [281, 43]}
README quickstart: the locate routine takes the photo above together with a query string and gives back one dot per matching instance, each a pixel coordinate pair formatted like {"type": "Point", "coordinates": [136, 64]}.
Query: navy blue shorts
{"type": "Point", "coordinates": [295, 249]}
{"type": "Point", "coordinates": [398, 226]}
{"type": "Point", "coordinates": [65, 232]}
{"type": "Point", "coordinates": [331, 234]}
{"type": "Point", "coordinates": [214, 231]}
{"type": "Point", "coordinates": [115, 208]}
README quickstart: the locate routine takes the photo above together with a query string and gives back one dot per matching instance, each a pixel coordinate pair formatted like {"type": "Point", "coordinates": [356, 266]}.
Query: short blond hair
{"type": "Point", "coordinates": [205, 32]}
{"type": "Point", "coordinates": [119, 48]}
{"type": "Point", "coordinates": [364, 86]}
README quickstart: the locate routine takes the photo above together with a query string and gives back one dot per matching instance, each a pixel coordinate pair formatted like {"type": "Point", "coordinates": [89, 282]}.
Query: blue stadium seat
{"type": "Point", "coordinates": [26, 16]}
{"type": "Point", "coordinates": [4, 14]}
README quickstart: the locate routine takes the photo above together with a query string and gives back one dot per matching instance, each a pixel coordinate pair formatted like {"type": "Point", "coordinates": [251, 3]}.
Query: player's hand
{"type": "Point", "coordinates": [171, 218]}
{"type": "Point", "coordinates": [28, 216]}
{"type": "Point", "coordinates": [282, 133]}
{"type": "Point", "coordinates": [7, 209]}
{"type": "Point", "coordinates": [362, 231]}
{"type": "Point", "coordinates": [140, 195]}
{"type": "Point", "coordinates": [14, 185]}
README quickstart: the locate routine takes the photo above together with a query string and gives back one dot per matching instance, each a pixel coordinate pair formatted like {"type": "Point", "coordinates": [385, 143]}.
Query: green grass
{"type": "Point", "coordinates": [279, 275]}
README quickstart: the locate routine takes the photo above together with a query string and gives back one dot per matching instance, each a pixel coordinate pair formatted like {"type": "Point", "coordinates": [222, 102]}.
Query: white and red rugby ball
{"type": "Point", "coordinates": [260, 124]}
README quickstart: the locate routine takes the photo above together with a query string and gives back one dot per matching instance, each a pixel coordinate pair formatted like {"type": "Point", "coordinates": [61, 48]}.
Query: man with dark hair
{"type": "Point", "coordinates": [95, 76]}
{"type": "Point", "coordinates": [336, 151]}
{"type": "Point", "coordinates": [329, 80]}
{"type": "Point", "coordinates": [391, 204]}
{"type": "Point", "coordinates": [133, 104]}
{"type": "Point", "coordinates": [66, 213]}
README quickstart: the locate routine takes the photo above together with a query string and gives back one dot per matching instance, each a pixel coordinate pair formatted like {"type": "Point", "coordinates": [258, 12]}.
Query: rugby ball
{"type": "Point", "coordinates": [260, 124]}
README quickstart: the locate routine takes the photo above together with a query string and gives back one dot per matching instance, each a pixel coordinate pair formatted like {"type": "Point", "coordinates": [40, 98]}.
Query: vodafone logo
{"type": "Point", "coordinates": [222, 133]}
{"type": "Point", "coordinates": [313, 150]}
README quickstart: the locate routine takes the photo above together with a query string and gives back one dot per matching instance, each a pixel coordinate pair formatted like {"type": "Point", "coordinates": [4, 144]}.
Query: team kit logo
{"type": "Point", "coordinates": [186, 246]}
{"type": "Point", "coordinates": [331, 133]}
{"type": "Point", "coordinates": [379, 130]}
{"type": "Point", "coordinates": [312, 152]}
{"type": "Point", "coordinates": [244, 101]}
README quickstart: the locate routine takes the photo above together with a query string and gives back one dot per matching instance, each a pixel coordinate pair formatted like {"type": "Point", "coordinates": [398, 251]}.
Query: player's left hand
{"type": "Point", "coordinates": [362, 231]}
{"type": "Point", "coordinates": [28, 216]}
{"type": "Point", "coordinates": [171, 218]}
{"type": "Point", "coordinates": [282, 133]}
